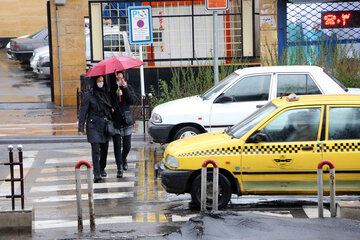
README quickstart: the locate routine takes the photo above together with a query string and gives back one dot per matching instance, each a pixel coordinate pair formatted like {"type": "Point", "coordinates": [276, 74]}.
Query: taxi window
{"type": "Point", "coordinates": [344, 123]}
{"type": "Point", "coordinates": [248, 123]}
{"type": "Point", "coordinates": [252, 88]}
{"type": "Point", "coordinates": [294, 125]}
{"type": "Point", "coordinates": [300, 84]}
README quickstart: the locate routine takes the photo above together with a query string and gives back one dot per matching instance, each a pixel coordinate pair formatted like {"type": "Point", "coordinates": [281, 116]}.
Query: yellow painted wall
{"type": "Point", "coordinates": [72, 47]}
{"type": "Point", "coordinates": [22, 17]}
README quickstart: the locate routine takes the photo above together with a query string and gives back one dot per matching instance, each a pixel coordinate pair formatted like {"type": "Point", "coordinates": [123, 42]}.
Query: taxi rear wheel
{"type": "Point", "coordinates": [223, 196]}
{"type": "Point", "coordinates": [185, 132]}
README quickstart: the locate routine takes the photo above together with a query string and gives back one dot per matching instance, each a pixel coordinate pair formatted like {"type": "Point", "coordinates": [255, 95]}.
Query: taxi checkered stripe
{"type": "Point", "coordinates": [211, 152]}
{"type": "Point", "coordinates": [272, 149]}
{"type": "Point", "coordinates": [342, 147]}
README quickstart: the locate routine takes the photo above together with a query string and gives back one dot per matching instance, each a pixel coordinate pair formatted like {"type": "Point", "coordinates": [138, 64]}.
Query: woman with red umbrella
{"type": "Point", "coordinates": [96, 108]}
{"type": "Point", "coordinates": [122, 96]}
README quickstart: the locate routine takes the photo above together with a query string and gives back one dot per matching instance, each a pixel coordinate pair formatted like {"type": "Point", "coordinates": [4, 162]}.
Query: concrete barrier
{"type": "Point", "coordinates": [19, 221]}
{"type": "Point", "coordinates": [348, 209]}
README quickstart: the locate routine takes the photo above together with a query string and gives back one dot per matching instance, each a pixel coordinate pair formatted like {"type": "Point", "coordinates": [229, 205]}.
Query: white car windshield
{"type": "Point", "coordinates": [209, 93]}
{"type": "Point", "coordinates": [238, 130]}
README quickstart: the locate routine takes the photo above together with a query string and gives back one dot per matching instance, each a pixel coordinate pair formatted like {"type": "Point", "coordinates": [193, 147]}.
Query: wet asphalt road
{"type": "Point", "coordinates": [134, 207]}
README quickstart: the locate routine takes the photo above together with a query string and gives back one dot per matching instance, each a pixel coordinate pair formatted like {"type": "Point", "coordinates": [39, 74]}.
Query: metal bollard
{"type": "Point", "coordinates": [12, 177]}
{"type": "Point", "coordinates": [20, 147]}
{"type": "Point", "coordinates": [320, 188]}
{"type": "Point", "coordinates": [90, 195]}
{"type": "Point", "coordinates": [215, 184]}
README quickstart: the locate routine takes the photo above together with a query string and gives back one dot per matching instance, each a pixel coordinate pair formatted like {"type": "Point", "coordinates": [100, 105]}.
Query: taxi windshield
{"type": "Point", "coordinates": [209, 93]}
{"type": "Point", "coordinates": [238, 130]}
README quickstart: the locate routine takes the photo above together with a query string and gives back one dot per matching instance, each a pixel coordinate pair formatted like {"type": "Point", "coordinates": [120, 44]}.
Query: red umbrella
{"type": "Point", "coordinates": [113, 64]}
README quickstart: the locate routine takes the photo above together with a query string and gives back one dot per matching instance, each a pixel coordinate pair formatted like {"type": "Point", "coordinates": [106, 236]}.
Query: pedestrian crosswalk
{"type": "Point", "coordinates": [136, 198]}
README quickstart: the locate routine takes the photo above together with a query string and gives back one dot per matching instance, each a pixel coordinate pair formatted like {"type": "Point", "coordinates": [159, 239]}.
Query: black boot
{"type": "Point", "coordinates": [119, 173]}
{"type": "Point", "coordinates": [103, 173]}
{"type": "Point", "coordinates": [97, 179]}
{"type": "Point", "coordinates": [125, 165]}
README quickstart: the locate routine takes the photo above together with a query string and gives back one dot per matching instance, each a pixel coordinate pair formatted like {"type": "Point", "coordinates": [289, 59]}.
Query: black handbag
{"type": "Point", "coordinates": [109, 128]}
{"type": "Point", "coordinates": [128, 117]}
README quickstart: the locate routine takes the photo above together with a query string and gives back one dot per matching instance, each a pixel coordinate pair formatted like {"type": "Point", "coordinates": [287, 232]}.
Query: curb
{"type": "Point", "coordinates": [59, 139]}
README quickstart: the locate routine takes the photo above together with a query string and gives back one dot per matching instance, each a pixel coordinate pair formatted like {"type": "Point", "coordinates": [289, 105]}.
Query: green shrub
{"type": "Point", "coordinates": [187, 82]}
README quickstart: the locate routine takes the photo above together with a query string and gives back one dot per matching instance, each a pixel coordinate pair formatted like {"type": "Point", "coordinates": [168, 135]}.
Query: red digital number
{"type": "Point", "coordinates": [330, 20]}
{"type": "Point", "coordinates": [344, 17]}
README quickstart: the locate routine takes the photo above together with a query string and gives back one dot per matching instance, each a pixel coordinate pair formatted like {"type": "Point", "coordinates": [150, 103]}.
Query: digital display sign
{"type": "Point", "coordinates": [340, 19]}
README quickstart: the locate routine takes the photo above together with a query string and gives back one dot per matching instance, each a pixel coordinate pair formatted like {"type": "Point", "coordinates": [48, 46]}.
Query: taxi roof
{"type": "Point", "coordinates": [319, 99]}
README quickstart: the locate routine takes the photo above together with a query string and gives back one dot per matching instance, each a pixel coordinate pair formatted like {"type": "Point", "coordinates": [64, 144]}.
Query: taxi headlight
{"type": "Point", "coordinates": [171, 161]}
{"type": "Point", "coordinates": [156, 118]}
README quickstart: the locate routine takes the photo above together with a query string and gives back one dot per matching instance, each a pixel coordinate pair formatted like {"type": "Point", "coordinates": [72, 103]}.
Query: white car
{"type": "Point", "coordinates": [116, 43]}
{"type": "Point", "coordinates": [41, 51]}
{"type": "Point", "coordinates": [236, 97]}
{"type": "Point", "coordinates": [43, 65]}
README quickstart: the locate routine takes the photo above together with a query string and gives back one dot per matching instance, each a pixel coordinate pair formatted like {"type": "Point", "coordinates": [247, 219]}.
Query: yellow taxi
{"type": "Point", "coordinates": [276, 150]}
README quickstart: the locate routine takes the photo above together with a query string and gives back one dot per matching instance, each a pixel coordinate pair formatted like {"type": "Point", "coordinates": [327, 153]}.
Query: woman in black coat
{"type": "Point", "coordinates": [122, 96]}
{"type": "Point", "coordinates": [95, 109]}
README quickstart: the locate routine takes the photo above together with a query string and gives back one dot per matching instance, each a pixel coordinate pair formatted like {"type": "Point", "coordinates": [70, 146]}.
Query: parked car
{"type": "Point", "coordinates": [22, 48]}
{"type": "Point", "coordinates": [8, 53]}
{"type": "Point", "coordinates": [41, 51]}
{"type": "Point", "coordinates": [116, 43]}
{"type": "Point", "coordinates": [236, 97]}
{"type": "Point", "coordinates": [275, 150]}
{"type": "Point", "coordinates": [43, 65]}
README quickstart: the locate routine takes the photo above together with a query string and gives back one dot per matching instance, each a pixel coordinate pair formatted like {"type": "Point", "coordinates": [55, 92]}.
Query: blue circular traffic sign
{"type": "Point", "coordinates": [140, 23]}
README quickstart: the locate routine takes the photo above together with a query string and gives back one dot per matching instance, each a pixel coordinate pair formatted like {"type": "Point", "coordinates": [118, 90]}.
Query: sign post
{"type": "Point", "coordinates": [214, 5]}
{"type": "Point", "coordinates": [140, 33]}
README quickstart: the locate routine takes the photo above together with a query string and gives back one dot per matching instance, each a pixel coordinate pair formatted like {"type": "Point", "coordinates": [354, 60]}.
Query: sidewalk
{"type": "Point", "coordinates": [31, 120]}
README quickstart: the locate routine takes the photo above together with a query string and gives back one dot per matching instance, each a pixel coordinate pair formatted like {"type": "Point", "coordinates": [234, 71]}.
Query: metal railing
{"type": "Point", "coordinates": [204, 185]}
{"type": "Point", "coordinates": [14, 179]}
{"type": "Point", "coordinates": [320, 188]}
{"type": "Point", "coordinates": [90, 195]}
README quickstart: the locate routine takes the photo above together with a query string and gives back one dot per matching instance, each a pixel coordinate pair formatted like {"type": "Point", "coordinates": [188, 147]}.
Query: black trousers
{"type": "Point", "coordinates": [99, 154]}
{"type": "Point", "coordinates": [122, 146]}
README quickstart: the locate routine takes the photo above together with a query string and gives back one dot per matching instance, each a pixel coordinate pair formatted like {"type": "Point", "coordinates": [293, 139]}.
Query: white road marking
{"type": "Point", "coordinates": [72, 177]}
{"type": "Point", "coordinates": [275, 214]}
{"type": "Point", "coordinates": [63, 223]}
{"type": "Point", "coordinates": [72, 168]}
{"type": "Point", "coordinates": [107, 185]}
{"type": "Point", "coordinates": [38, 124]}
{"type": "Point", "coordinates": [312, 211]}
{"type": "Point", "coordinates": [97, 196]}
{"type": "Point", "coordinates": [178, 218]}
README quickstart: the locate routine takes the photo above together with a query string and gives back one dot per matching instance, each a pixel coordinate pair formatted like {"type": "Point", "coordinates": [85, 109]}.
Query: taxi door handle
{"type": "Point", "coordinates": [307, 148]}
{"type": "Point", "coordinates": [259, 106]}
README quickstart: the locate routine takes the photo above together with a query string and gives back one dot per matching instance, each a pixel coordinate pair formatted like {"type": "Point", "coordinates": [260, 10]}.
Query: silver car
{"type": "Point", "coordinates": [22, 48]}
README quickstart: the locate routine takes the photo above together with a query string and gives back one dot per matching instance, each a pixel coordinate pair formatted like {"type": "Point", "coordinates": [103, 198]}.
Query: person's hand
{"type": "Point", "coordinates": [123, 82]}
{"type": "Point", "coordinates": [119, 92]}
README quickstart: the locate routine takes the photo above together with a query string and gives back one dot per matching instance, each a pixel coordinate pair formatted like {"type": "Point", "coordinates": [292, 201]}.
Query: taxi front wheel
{"type": "Point", "coordinates": [224, 191]}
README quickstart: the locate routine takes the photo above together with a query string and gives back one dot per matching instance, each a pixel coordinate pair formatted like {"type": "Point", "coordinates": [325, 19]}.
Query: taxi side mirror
{"type": "Point", "coordinates": [257, 137]}
{"type": "Point", "coordinates": [224, 99]}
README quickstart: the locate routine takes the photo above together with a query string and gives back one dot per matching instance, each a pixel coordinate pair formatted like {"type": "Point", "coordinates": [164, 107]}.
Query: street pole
{"type": "Point", "coordinates": [59, 55]}
{"type": "Point", "coordinates": [142, 87]}
{"type": "Point", "coordinates": [215, 43]}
